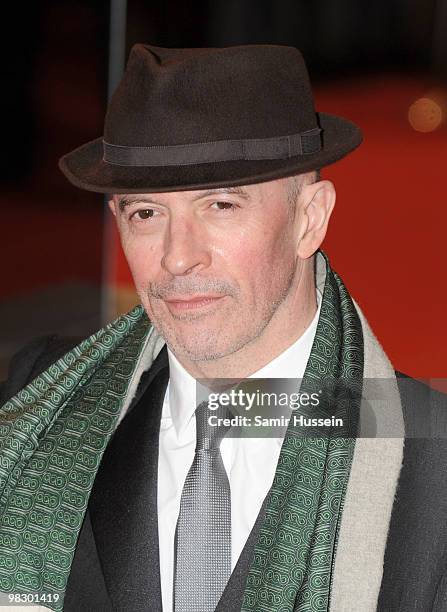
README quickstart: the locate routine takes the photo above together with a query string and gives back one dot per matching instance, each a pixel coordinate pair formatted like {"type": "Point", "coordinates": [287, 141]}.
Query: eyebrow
{"type": "Point", "coordinates": [224, 190]}
{"type": "Point", "coordinates": [128, 200]}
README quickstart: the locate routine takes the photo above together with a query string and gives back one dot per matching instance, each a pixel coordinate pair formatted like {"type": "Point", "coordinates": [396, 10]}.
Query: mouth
{"type": "Point", "coordinates": [187, 303]}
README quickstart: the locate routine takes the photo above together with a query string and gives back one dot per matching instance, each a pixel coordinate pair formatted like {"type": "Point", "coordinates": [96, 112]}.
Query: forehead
{"type": "Point", "coordinates": [255, 192]}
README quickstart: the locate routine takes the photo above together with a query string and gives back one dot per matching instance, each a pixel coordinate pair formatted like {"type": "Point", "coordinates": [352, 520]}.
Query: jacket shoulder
{"type": "Point", "coordinates": [414, 564]}
{"type": "Point", "coordinates": [424, 409]}
{"type": "Point", "coordinates": [32, 360]}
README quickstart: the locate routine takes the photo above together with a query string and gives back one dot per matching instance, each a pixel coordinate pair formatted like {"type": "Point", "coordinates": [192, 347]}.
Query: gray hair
{"type": "Point", "coordinates": [296, 183]}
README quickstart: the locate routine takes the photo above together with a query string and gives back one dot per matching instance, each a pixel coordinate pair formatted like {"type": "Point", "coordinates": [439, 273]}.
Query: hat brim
{"type": "Point", "coordinates": [85, 168]}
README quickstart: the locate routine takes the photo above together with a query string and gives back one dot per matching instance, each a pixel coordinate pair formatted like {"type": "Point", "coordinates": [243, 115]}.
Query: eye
{"type": "Point", "coordinates": [145, 213]}
{"type": "Point", "coordinates": [222, 205]}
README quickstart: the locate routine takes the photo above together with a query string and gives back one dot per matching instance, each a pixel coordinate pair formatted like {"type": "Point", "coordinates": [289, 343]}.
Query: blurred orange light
{"type": "Point", "coordinates": [425, 115]}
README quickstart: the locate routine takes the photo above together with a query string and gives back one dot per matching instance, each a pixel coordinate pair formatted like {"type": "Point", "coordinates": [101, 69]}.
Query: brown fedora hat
{"type": "Point", "coordinates": [185, 119]}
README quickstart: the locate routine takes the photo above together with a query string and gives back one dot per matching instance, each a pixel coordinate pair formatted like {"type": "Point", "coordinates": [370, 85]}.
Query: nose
{"type": "Point", "coordinates": [185, 248]}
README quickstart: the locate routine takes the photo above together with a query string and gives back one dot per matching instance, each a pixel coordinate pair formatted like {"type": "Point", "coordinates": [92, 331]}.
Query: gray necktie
{"type": "Point", "coordinates": [202, 563]}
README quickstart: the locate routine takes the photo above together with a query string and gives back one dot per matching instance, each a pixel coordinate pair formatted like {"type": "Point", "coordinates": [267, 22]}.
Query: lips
{"type": "Point", "coordinates": [191, 302]}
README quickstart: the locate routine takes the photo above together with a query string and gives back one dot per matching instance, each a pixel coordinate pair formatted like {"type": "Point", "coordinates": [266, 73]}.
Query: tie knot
{"type": "Point", "coordinates": [210, 427]}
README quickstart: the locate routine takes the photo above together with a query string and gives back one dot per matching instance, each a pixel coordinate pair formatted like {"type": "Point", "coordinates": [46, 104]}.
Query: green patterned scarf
{"type": "Point", "coordinates": [53, 434]}
{"type": "Point", "coordinates": [292, 564]}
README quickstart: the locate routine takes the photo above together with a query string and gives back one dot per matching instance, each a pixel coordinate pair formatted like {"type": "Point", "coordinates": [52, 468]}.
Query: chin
{"type": "Point", "coordinates": [209, 345]}
{"type": "Point", "coordinates": [196, 352]}
{"type": "Point", "coordinates": [201, 340]}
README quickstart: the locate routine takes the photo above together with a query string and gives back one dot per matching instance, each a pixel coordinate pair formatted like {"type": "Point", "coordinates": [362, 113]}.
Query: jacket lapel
{"type": "Point", "coordinates": [233, 595]}
{"type": "Point", "coordinates": [123, 503]}
{"type": "Point", "coordinates": [86, 589]}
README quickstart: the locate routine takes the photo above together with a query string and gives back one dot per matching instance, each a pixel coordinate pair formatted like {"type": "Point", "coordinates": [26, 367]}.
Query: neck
{"type": "Point", "coordinates": [287, 325]}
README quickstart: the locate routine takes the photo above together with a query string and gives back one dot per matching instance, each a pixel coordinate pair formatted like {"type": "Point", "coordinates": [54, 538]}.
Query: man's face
{"type": "Point", "coordinates": [211, 267]}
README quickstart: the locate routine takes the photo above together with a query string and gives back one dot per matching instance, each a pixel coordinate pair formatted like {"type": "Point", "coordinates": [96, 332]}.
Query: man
{"type": "Point", "coordinates": [116, 491]}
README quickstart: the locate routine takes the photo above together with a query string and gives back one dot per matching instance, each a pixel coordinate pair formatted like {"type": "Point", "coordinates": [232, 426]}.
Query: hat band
{"type": "Point", "coordinates": [281, 147]}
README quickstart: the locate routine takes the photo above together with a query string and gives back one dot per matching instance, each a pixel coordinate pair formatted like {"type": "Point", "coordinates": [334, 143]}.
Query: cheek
{"type": "Point", "coordinates": [261, 263]}
{"type": "Point", "coordinates": [239, 244]}
{"type": "Point", "coordinates": [266, 246]}
{"type": "Point", "coordinates": [142, 261]}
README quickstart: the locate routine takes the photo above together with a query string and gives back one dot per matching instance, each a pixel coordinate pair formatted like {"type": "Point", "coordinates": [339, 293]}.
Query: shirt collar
{"type": "Point", "coordinates": [291, 363]}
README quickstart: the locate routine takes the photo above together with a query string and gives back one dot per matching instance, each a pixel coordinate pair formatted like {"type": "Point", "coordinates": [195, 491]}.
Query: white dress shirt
{"type": "Point", "coordinates": [250, 463]}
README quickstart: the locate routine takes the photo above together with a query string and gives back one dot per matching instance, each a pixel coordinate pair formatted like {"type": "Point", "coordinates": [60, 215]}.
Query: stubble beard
{"type": "Point", "coordinates": [202, 346]}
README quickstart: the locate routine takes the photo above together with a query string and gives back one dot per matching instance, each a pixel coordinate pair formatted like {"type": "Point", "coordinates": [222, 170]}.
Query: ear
{"type": "Point", "coordinates": [317, 202]}
{"type": "Point", "coordinates": [112, 204]}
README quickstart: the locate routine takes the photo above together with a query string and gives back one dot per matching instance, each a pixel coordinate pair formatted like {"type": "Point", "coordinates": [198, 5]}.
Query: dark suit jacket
{"type": "Point", "coordinates": [116, 564]}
